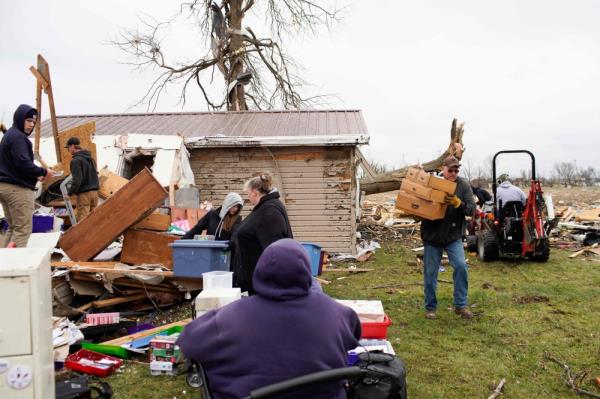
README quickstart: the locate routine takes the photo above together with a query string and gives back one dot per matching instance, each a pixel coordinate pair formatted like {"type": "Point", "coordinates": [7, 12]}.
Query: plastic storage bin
{"type": "Point", "coordinates": [42, 223]}
{"type": "Point", "coordinates": [94, 363]}
{"type": "Point", "coordinates": [192, 258]}
{"type": "Point", "coordinates": [376, 329]}
{"type": "Point", "coordinates": [217, 279]}
{"type": "Point", "coordinates": [314, 254]}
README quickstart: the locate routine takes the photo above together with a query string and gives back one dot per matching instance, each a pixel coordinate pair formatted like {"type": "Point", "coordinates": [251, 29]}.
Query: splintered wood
{"type": "Point", "coordinates": [135, 200]}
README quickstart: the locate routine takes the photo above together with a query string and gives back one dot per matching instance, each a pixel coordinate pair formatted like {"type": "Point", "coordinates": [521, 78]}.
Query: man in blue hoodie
{"type": "Point", "coordinates": [283, 331]}
{"type": "Point", "coordinates": [18, 176]}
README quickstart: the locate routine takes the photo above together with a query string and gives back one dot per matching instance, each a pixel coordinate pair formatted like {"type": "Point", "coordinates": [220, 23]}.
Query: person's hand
{"type": "Point", "coordinates": [452, 200]}
{"type": "Point", "coordinates": [50, 173]}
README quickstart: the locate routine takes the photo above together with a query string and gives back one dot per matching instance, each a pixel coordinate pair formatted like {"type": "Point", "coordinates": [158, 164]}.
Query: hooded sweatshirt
{"type": "Point", "coordinates": [284, 331]}
{"type": "Point", "coordinates": [212, 222]}
{"type": "Point", "coordinates": [506, 193]}
{"type": "Point", "coordinates": [84, 172]}
{"type": "Point", "coordinates": [16, 154]}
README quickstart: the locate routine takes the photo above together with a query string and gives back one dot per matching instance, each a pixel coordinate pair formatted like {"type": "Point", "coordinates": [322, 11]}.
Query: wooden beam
{"type": "Point", "coordinates": [122, 271]}
{"type": "Point", "coordinates": [134, 201]}
{"type": "Point", "coordinates": [104, 303]}
{"type": "Point", "coordinates": [83, 264]}
{"type": "Point", "coordinates": [39, 78]}
{"type": "Point", "coordinates": [142, 334]}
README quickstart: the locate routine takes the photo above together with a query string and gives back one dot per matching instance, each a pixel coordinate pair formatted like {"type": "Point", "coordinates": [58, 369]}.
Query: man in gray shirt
{"type": "Point", "coordinates": [506, 192]}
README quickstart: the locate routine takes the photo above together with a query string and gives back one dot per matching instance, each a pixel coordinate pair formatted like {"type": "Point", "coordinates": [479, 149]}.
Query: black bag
{"type": "Point", "coordinates": [80, 388]}
{"type": "Point", "coordinates": [385, 378]}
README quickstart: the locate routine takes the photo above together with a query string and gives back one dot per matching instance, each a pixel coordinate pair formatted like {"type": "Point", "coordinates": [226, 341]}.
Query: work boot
{"type": "Point", "coordinates": [463, 312]}
{"type": "Point", "coordinates": [430, 314]}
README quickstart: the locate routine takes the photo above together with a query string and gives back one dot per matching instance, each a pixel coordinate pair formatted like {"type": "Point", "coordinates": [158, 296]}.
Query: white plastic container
{"type": "Point", "coordinates": [217, 280]}
{"type": "Point", "coordinates": [215, 298]}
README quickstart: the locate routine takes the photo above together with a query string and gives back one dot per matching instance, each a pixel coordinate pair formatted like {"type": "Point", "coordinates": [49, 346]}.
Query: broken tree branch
{"type": "Point", "coordinates": [572, 381]}
{"type": "Point", "coordinates": [498, 391]}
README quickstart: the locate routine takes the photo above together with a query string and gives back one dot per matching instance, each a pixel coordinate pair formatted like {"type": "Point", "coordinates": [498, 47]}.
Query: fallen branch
{"type": "Point", "coordinates": [498, 391]}
{"type": "Point", "coordinates": [571, 380]}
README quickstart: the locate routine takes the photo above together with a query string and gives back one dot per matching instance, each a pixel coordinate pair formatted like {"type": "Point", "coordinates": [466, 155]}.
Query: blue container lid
{"type": "Point", "coordinates": [200, 244]}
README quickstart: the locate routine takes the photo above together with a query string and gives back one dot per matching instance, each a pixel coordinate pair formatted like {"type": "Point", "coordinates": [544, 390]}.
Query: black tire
{"type": "Point", "coordinates": [487, 246]}
{"type": "Point", "coordinates": [471, 243]}
{"type": "Point", "coordinates": [542, 253]}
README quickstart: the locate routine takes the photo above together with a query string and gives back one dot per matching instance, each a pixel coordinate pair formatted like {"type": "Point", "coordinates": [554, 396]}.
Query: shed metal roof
{"type": "Point", "coordinates": [231, 128]}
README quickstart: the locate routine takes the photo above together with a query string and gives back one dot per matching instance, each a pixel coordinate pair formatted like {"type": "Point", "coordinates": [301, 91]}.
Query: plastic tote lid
{"type": "Point", "coordinates": [199, 244]}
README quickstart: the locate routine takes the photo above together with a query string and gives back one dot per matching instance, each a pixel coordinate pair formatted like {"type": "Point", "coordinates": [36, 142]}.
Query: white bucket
{"type": "Point", "coordinates": [217, 279]}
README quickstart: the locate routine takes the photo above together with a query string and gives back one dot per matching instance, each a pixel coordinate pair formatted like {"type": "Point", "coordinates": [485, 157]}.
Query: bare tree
{"type": "Point", "coordinates": [565, 172]}
{"type": "Point", "coordinates": [256, 72]}
{"type": "Point", "coordinates": [588, 175]}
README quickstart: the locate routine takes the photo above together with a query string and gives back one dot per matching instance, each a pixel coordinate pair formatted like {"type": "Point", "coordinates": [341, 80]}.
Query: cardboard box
{"type": "Point", "coordinates": [428, 180]}
{"type": "Point", "coordinates": [420, 207]}
{"type": "Point", "coordinates": [426, 193]}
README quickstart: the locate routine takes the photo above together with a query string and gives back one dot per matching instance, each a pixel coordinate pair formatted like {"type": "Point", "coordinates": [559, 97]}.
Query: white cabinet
{"type": "Point", "coordinates": [26, 360]}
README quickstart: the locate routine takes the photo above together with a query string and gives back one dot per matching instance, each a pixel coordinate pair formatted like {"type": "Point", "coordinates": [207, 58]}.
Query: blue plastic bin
{"type": "Point", "coordinates": [314, 254]}
{"type": "Point", "coordinates": [191, 258]}
{"type": "Point", "coordinates": [42, 223]}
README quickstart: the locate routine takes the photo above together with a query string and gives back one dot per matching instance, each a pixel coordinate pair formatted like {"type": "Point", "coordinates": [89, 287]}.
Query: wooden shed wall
{"type": "Point", "coordinates": [319, 185]}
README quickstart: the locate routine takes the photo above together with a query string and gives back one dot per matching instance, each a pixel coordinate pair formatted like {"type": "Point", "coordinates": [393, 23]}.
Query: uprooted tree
{"type": "Point", "coordinates": [256, 72]}
{"type": "Point", "coordinates": [391, 181]}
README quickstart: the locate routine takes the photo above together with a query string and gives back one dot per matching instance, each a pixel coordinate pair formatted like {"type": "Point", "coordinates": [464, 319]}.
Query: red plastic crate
{"type": "Point", "coordinates": [88, 362]}
{"type": "Point", "coordinates": [376, 329]}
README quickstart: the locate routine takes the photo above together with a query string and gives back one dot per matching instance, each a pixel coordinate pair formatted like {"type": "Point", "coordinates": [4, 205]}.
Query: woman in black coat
{"type": "Point", "coordinates": [267, 223]}
{"type": "Point", "coordinates": [220, 222]}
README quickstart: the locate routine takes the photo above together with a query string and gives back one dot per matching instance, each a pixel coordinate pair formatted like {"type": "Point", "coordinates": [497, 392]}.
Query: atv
{"type": "Point", "coordinates": [512, 230]}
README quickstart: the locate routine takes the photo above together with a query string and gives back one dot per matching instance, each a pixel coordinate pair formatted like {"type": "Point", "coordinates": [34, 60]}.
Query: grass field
{"type": "Point", "coordinates": [523, 310]}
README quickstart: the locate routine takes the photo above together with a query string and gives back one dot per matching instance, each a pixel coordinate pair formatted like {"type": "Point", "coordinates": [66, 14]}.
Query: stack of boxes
{"type": "Point", "coordinates": [164, 355]}
{"type": "Point", "coordinates": [422, 194]}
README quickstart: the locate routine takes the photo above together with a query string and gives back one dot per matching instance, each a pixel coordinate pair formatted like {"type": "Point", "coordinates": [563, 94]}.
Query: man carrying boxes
{"type": "Point", "coordinates": [443, 204]}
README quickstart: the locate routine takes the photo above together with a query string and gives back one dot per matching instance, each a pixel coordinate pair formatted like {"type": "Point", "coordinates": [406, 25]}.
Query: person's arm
{"type": "Point", "coordinates": [20, 151]}
{"type": "Point", "coordinates": [77, 175]}
{"type": "Point", "coordinates": [198, 228]}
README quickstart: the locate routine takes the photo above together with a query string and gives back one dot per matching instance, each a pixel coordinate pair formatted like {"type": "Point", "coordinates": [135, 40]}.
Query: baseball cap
{"type": "Point", "coordinates": [450, 161]}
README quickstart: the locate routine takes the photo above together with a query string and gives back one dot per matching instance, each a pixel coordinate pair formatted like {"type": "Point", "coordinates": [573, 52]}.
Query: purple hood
{"type": "Point", "coordinates": [283, 271]}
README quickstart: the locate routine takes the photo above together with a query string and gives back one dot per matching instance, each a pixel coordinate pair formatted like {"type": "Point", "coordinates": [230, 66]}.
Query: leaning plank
{"type": "Point", "coordinates": [133, 337]}
{"type": "Point", "coordinates": [134, 201]}
{"type": "Point", "coordinates": [145, 246]}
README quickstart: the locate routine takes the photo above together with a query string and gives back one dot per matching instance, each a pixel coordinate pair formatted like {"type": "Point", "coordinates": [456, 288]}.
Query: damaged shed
{"type": "Point", "coordinates": [313, 157]}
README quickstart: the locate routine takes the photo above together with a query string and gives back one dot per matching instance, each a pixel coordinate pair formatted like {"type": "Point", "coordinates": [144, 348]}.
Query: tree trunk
{"type": "Point", "coordinates": [391, 181]}
{"type": "Point", "coordinates": [236, 98]}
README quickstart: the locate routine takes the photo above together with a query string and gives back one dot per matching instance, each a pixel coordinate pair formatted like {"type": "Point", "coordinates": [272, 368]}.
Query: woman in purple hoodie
{"type": "Point", "coordinates": [284, 331]}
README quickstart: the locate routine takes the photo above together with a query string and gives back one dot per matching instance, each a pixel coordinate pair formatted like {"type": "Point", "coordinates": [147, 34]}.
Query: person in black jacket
{"type": "Point", "coordinates": [85, 182]}
{"type": "Point", "coordinates": [220, 222]}
{"type": "Point", "coordinates": [18, 177]}
{"type": "Point", "coordinates": [267, 223]}
{"type": "Point", "coordinates": [446, 234]}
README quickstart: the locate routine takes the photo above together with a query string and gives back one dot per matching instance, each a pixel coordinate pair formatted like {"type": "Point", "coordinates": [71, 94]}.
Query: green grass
{"type": "Point", "coordinates": [523, 309]}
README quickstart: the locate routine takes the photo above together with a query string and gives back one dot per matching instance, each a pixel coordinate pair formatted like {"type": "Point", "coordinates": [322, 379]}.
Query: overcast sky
{"type": "Point", "coordinates": [521, 74]}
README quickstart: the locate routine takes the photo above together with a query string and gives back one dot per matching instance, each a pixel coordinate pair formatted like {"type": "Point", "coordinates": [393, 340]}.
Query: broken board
{"type": "Point", "coordinates": [145, 246]}
{"type": "Point", "coordinates": [84, 133]}
{"type": "Point", "coordinates": [109, 183]}
{"type": "Point", "coordinates": [155, 221]}
{"type": "Point", "coordinates": [134, 201]}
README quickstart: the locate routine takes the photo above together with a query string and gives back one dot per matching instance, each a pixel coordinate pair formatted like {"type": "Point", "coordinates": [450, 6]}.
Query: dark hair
{"type": "Point", "coordinates": [263, 183]}
{"type": "Point", "coordinates": [229, 220]}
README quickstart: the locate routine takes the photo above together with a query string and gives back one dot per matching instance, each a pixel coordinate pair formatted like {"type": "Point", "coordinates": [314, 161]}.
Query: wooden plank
{"type": "Point", "coordinates": [72, 264]}
{"type": "Point", "coordinates": [104, 303]}
{"type": "Point", "coordinates": [85, 134]}
{"type": "Point", "coordinates": [145, 246]}
{"type": "Point", "coordinates": [109, 182]}
{"type": "Point", "coordinates": [142, 334]}
{"type": "Point", "coordinates": [122, 271]}
{"type": "Point", "coordinates": [134, 201]}
{"type": "Point", "coordinates": [155, 221]}
{"type": "Point", "coordinates": [38, 107]}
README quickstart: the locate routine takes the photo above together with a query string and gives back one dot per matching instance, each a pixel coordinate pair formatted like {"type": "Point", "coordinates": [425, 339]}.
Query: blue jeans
{"type": "Point", "coordinates": [432, 257]}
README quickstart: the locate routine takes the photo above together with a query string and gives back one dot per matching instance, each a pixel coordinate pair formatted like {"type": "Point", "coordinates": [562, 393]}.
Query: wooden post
{"type": "Point", "coordinates": [38, 125]}
{"type": "Point", "coordinates": [44, 70]}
